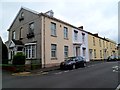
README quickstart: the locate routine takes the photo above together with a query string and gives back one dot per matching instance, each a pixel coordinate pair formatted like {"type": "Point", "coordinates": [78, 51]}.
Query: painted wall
{"type": "Point", "coordinates": [105, 46]}
{"type": "Point", "coordinates": [28, 18]}
{"type": "Point", "coordinates": [82, 44]}
{"type": "Point", "coordinates": [59, 40]}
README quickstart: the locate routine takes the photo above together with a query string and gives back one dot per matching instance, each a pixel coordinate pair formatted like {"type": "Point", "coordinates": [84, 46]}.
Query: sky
{"type": "Point", "coordinates": [96, 16]}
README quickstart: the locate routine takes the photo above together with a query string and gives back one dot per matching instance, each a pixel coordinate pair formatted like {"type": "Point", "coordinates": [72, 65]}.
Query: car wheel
{"type": "Point", "coordinates": [73, 67]}
{"type": "Point", "coordinates": [84, 64]}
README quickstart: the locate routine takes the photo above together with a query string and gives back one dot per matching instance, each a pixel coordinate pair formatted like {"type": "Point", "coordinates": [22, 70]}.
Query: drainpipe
{"type": "Point", "coordinates": [44, 40]}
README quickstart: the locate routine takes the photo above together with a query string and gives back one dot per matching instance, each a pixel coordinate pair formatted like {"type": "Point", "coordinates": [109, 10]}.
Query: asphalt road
{"type": "Point", "coordinates": [100, 75]}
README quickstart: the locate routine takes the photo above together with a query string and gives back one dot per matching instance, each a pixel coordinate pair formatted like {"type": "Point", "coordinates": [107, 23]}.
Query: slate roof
{"type": "Point", "coordinates": [17, 42]}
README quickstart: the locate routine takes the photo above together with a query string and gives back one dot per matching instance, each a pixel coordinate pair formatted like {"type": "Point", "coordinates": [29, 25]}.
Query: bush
{"type": "Point", "coordinates": [19, 59]}
{"type": "Point", "coordinates": [4, 54]}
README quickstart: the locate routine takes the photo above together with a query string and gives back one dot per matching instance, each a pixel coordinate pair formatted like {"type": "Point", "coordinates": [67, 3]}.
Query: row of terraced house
{"type": "Point", "coordinates": [48, 40]}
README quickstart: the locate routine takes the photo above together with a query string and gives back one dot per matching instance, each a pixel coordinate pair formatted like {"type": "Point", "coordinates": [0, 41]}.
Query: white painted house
{"type": "Point", "coordinates": [80, 43]}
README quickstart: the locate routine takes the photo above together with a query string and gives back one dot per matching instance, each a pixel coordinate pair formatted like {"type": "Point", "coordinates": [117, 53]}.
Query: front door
{"type": "Point", "coordinates": [77, 51]}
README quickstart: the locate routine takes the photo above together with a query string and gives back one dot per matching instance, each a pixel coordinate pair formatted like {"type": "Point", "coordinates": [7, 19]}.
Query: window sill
{"type": "Point", "coordinates": [53, 58]}
{"type": "Point", "coordinates": [31, 58]}
{"type": "Point", "coordinates": [53, 35]}
{"type": "Point", "coordinates": [65, 57]}
{"type": "Point", "coordinates": [66, 38]}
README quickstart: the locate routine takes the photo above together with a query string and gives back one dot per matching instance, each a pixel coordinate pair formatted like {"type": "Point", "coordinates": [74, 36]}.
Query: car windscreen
{"type": "Point", "coordinates": [80, 58]}
{"type": "Point", "coordinates": [70, 59]}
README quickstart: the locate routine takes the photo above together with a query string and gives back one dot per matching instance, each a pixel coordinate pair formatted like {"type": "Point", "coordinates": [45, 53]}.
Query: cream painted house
{"type": "Point", "coordinates": [100, 48]}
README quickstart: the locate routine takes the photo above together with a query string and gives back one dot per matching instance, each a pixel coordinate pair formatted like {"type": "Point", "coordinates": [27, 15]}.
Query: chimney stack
{"type": "Point", "coordinates": [50, 13]}
{"type": "Point", "coordinates": [81, 27]}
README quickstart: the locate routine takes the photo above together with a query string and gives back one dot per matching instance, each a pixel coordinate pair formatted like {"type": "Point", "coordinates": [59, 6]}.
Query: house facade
{"type": "Point", "coordinates": [47, 41]}
{"type": "Point", "coordinates": [100, 48]}
{"type": "Point", "coordinates": [80, 43]}
{"type": "Point", "coordinates": [43, 38]}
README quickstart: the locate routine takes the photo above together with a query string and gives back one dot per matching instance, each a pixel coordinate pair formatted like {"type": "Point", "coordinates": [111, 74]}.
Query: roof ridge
{"type": "Point", "coordinates": [28, 9]}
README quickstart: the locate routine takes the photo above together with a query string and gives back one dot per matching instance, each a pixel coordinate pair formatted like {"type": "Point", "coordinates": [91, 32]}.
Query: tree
{"type": "Point", "coordinates": [4, 54]}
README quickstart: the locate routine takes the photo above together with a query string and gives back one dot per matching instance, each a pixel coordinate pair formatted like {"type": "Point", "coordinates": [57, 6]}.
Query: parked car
{"type": "Point", "coordinates": [112, 58]}
{"type": "Point", "coordinates": [73, 63]}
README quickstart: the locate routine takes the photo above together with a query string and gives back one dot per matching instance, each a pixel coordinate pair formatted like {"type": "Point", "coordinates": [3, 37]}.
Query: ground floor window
{"type": "Point", "coordinates": [53, 50]}
{"type": "Point", "coordinates": [94, 53]}
{"type": "Point", "coordinates": [30, 51]}
{"type": "Point", "coordinates": [66, 51]}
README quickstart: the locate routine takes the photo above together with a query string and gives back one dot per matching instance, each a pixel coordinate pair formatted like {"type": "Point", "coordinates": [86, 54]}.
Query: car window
{"type": "Point", "coordinates": [81, 58]}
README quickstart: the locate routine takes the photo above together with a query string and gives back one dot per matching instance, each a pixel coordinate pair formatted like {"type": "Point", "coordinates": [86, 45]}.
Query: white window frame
{"type": "Point", "coordinates": [53, 50]}
{"type": "Point", "coordinates": [65, 32]}
{"type": "Point", "coordinates": [13, 35]}
{"type": "Point", "coordinates": [53, 29]}
{"type": "Point", "coordinates": [75, 35]}
{"type": "Point", "coordinates": [31, 27]}
{"type": "Point", "coordinates": [66, 51]}
{"type": "Point", "coordinates": [29, 50]}
{"type": "Point", "coordinates": [83, 37]}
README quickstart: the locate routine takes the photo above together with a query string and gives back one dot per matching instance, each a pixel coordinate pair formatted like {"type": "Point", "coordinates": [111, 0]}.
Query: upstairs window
{"type": "Point", "coordinates": [65, 32]}
{"type": "Point", "coordinates": [53, 29]}
{"type": "Point", "coordinates": [103, 44]}
{"type": "Point", "coordinates": [75, 35]}
{"type": "Point", "coordinates": [31, 27]}
{"type": "Point", "coordinates": [21, 32]}
{"type": "Point", "coordinates": [100, 42]}
{"type": "Point", "coordinates": [21, 16]}
{"type": "Point", "coordinates": [93, 41]}
{"type": "Point", "coordinates": [31, 30]}
{"type": "Point", "coordinates": [83, 37]}
{"type": "Point", "coordinates": [13, 35]}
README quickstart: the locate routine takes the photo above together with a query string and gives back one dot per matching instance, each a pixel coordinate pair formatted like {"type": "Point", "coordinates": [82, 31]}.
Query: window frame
{"type": "Point", "coordinates": [29, 51]}
{"type": "Point", "coordinates": [31, 28]}
{"type": "Point", "coordinates": [95, 53]}
{"type": "Point", "coordinates": [100, 42]}
{"type": "Point", "coordinates": [75, 35]}
{"type": "Point", "coordinates": [54, 51]}
{"type": "Point", "coordinates": [93, 41]}
{"type": "Point", "coordinates": [21, 33]}
{"type": "Point", "coordinates": [65, 33]}
{"type": "Point", "coordinates": [100, 53]}
{"type": "Point", "coordinates": [84, 52]}
{"type": "Point", "coordinates": [83, 37]}
{"type": "Point", "coordinates": [66, 51]}
{"type": "Point", "coordinates": [53, 29]}
{"type": "Point", "coordinates": [13, 35]}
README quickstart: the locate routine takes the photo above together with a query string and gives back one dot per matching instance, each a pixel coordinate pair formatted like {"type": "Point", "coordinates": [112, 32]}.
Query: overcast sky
{"type": "Point", "coordinates": [96, 16]}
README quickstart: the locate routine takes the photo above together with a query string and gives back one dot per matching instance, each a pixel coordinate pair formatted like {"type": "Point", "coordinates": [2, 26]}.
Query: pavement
{"type": "Point", "coordinates": [44, 71]}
